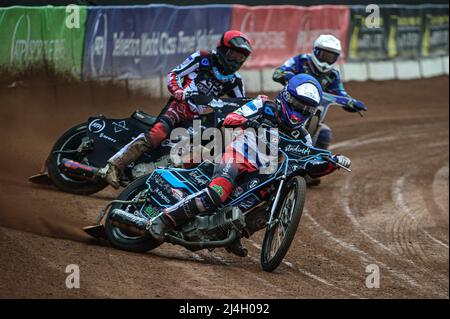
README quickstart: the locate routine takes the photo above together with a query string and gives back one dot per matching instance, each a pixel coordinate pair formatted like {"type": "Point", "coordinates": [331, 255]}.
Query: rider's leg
{"type": "Point", "coordinates": [175, 113]}
{"type": "Point", "coordinates": [207, 200]}
{"type": "Point", "coordinates": [323, 142]}
{"type": "Point", "coordinates": [324, 138]}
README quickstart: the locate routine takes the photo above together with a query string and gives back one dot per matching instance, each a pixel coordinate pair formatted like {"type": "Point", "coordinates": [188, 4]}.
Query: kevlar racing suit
{"type": "Point", "coordinates": [198, 74]}
{"type": "Point", "coordinates": [331, 83]}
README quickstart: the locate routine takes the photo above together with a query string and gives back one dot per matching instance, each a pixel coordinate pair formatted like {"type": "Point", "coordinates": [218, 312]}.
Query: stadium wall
{"type": "Point", "coordinates": [137, 45]}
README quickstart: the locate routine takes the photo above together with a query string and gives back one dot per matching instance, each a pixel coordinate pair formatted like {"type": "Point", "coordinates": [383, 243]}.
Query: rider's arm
{"type": "Point", "coordinates": [248, 112]}
{"type": "Point", "coordinates": [319, 168]}
{"type": "Point", "coordinates": [286, 71]}
{"type": "Point", "coordinates": [175, 77]}
{"type": "Point", "coordinates": [337, 88]}
{"type": "Point", "coordinates": [238, 89]}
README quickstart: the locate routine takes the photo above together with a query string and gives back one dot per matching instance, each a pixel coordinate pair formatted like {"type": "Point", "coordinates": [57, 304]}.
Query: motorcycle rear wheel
{"type": "Point", "coordinates": [288, 215]}
{"type": "Point", "coordinates": [70, 140]}
{"type": "Point", "coordinates": [122, 239]}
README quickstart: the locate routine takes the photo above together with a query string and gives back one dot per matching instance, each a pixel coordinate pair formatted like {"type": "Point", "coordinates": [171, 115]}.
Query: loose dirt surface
{"type": "Point", "coordinates": [390, 212]}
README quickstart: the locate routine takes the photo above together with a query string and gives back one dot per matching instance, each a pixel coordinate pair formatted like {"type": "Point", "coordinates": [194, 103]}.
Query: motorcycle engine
{"type": "Point", "coordinates": [214, 227]}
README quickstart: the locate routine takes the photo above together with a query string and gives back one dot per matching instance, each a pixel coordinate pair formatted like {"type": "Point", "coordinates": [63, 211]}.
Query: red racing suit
{"type": "Point", "coordinates": [198, 74]}
{"type": "Point", "coordinates": [236, 159]}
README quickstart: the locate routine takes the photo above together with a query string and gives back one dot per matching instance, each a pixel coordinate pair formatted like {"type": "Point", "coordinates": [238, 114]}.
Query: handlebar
{"type": "Point", "coordinates": [330, 159]}
{"type": "Point", "coordinates": [342, 101]}
{"type": "Point", "coordinates": [214, 102]}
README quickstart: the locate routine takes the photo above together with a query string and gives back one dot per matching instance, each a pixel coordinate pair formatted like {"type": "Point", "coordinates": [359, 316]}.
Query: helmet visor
{"type": "Point", "coordinates": [297, 105]}
{"type": "Point", "coordinates": [233, 55]}
{"type": "Point", "coordinates": [239, 43]}
{"type": "Point", "coordinates": [327, 56]}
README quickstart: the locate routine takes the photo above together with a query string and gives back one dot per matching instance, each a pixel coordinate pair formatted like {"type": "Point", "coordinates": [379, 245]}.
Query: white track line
{"type": "Point", "coordinates": [397, 195]}
{"type": "Point", "coordinates": [357, 142]}
{"type": "Point", "coordinates": [362, 254]}
{"type": "Point", "coordinates": [306, 273]}
{"type": "Point", "coordinates": [351, 216]}
{"type": "Point", "coordinates": [441, 175]}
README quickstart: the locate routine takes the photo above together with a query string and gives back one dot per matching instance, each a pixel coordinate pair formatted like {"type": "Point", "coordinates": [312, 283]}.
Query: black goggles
{"type": "Point", "coordinates": [237, 56]}
{"type": "Point", "coordinates": [298, 105]}
{"type": "Point", "coordinates": [327, 56]}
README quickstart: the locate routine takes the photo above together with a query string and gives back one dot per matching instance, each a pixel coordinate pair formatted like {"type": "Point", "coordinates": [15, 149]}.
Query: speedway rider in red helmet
{"type": "Point", "coordinates": [206, 73]}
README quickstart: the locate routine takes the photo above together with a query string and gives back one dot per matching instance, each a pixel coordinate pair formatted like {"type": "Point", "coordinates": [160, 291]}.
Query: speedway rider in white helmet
{"type": "Point", "coordinates": [320, 63]}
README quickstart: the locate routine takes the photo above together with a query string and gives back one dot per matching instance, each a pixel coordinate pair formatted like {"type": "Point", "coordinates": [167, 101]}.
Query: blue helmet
{"type": "Point", "coordinates": [298, 100]}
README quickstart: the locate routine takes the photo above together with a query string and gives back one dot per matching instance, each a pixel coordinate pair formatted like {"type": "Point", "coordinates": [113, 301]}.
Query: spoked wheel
{"type": "Point", "coordinates": [279, 236]}
{"type": "Point", "coordinates": [121, 238]}
{"type": "Point", "coordinates": [65, 148]}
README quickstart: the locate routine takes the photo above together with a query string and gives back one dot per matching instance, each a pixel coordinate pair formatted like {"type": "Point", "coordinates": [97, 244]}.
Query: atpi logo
{"type": "Point", "coordinates": [97, 126]}
{"type": "Point", "coordinates": [25, 49]}
{"type": "Point", "coordinates": [20, 45]}
{"type": "Point", "coordinates": [99, 43]}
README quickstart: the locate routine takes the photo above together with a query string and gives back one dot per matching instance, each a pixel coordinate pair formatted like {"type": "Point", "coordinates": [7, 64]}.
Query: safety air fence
{"type": "Point", "coordinates": [140, 44]}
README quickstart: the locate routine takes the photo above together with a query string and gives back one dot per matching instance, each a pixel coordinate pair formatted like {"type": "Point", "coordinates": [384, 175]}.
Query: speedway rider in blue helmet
{"type": "Point", "coordinates": [288, 113]}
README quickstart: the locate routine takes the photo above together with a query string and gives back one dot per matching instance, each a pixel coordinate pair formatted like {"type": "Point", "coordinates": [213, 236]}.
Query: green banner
{"type": "Point", "coordinates": [42, 37]}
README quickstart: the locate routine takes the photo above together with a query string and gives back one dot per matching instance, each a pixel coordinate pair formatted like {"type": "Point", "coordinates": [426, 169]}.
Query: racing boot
{"type": "Point", "coordinates": [128, 154]}
{"type": "Point", "coordinates": [310, 181]}
{"type": "Point", "coordinates": [207, 200]}
{"type": "Point", "coordinates": [237, 248]}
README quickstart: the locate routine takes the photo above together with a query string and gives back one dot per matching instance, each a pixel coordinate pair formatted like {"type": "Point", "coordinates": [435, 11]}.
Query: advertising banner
{"type": "Point", "coordinates": [434, 30]}
{"type": "Point", "coordinates": [141, 41]}
{"type": "Point", "coordinates": [367, 37]}
{"type": "Point", "coordinates": [280, 32]}
{"type": "Point", "coordinates": [404, 31]}
{"type": "Point", "coordinates": [50, 37]}
{"type": "Point", "coordinates": [401, 32]}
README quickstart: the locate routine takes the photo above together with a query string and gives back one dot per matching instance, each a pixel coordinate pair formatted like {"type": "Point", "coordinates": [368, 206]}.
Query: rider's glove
{"type": "Point", "coordinates": [342, 160]}
{"type": "Point", "coordinates": [282, 76]}
{"type": "Point", "coordinates": [355, 105]}
{"type": "Point", "coordinates": [179, 95]}
{"type": "Point", "coordinates": [251, 124]}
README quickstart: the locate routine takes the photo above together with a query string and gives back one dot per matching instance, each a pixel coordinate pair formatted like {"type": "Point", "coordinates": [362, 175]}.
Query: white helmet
{"type": "Point", "coordinates": [326, 51]}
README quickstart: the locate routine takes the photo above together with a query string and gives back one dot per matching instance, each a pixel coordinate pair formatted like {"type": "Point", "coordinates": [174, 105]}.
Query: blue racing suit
{"type": "Point", "coordinates": [331, 83]}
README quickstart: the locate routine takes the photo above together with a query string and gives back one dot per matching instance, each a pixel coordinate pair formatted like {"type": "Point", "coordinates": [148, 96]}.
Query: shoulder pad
{"type": "Point", "coordinates": [304, 56]}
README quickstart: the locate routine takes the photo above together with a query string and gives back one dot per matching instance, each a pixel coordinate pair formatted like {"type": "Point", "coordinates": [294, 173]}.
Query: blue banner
{"type": "Point", "coordinates": [140, 41]}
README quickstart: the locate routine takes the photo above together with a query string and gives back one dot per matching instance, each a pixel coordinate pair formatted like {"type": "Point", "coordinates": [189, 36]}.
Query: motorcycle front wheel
{"type": "Point", "coordinates": [121, 238]}
{"type": "Point", "coordinates": [70, 141]}
{"type": "Point", "coordinates": [279, 236]}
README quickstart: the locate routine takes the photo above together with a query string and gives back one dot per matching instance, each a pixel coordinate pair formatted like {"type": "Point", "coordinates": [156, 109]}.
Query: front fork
{"type": "Point", "coordinates": [272, 222]}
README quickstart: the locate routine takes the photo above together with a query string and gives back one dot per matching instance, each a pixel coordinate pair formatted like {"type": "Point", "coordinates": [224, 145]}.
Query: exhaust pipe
{"type": "Point", "coordinates": [75, 169]}
{"type": "Point", "coordinates": [138, 225]}
{"type": "Point", "coordinates": [195, 245]}
{"type": "Point", "coordinates": [130, 222]}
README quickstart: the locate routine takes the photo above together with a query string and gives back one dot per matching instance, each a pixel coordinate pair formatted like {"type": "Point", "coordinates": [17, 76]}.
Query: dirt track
{"type": "Point", "coordinates": [392, 210]}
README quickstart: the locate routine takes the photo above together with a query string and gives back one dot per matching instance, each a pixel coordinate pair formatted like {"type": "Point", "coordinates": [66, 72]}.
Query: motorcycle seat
{"type": "Point", "coordinates": [143, 117]}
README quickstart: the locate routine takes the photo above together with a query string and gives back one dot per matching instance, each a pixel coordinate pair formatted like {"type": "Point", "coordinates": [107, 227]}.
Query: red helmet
{"type": "Point", "coordinates": [232, 50]}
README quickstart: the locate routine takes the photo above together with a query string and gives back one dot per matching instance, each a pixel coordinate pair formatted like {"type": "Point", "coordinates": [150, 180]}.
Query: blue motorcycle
{"type": "Point", "coordinates": [273, 202]}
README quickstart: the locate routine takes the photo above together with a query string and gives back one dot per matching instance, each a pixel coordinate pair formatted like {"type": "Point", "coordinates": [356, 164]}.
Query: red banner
{"type": "Point", "coordinates": [281, 32]}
